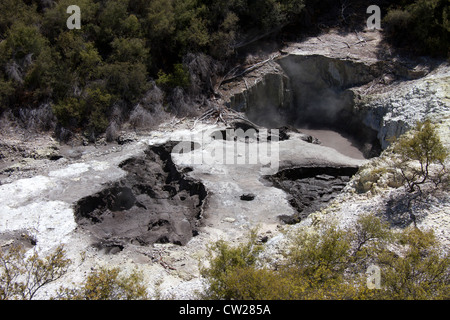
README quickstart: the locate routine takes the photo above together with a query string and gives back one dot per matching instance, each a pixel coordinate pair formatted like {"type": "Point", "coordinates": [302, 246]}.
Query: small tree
{"type": "Point", "coordinates": [108, 284]}
{"type": "Point", "coordinates": [21, 277]}
{"type": "Point", "coordinates": [227, 267]}
{"type": "Point", "coordinates": [421, 272]}
{"type": "Point", "coordinates": [331, 263]}
{"type": "Point", "coordinates": [425, 147]}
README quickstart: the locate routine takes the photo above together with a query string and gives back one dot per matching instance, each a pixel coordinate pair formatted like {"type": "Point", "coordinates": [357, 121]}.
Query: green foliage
{"type": "Point", "coordinates": [54, 19]}
{"type": "Point", "coordinates": [178, 78]}
{"type": "Point", "coordinates": [161, 19]}
{"type": "Point", "coordinates": [424, 146]}
{"type": "Point", "coordinates": [98, 102]}
{"type": "Point", "coordinates": [228, 265]}
{"type": "Point", "coordinates": [122, 45]}
{"type": "Point", "coordinates": [125, 80]}
{"type": "Point", "coordinates": [331, 263]}
{"type": "Point", "coordinates": [22, 40]}
{"type": "Point", "coordinates": [22, 276]}
{"type": "Point", "coordinates": [108, 284]}
{"type": "Point", "coordinates": [12, 11]}
{"type": "Point", "coordinates": [70, 111]}
{"type": "Point", "coordinates": [115, 21]}
{"type": "Point", "coordinates": [6, 94]}
{"type": "Point", "coordinates": [320, 257]}
{"type": "Point", "coordinates": [422, 272]}
{"type": "Point", "coordinates": [79, 56]}
{"type": "Point", "coordinates": [423, 26]}
{"type": "Point", "coordinates": [129, 50]}
{"type": "Point", "coordinates": [89, 111]}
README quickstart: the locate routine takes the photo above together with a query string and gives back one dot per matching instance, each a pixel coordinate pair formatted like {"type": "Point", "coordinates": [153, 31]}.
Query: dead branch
{"type": "Point", "coordinates": [253, 67]}
{"type": "Point", "coordinates": [222, 114]}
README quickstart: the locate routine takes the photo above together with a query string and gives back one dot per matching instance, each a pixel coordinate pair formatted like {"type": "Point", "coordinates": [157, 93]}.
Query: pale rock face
{"type": "Point", "coordinates": [397, 109]}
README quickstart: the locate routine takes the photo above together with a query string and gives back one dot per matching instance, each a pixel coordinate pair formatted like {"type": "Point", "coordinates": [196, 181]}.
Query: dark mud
{"type": "Point", "coordinates": [154, 203]}
{"type": "Point", "coordinates": [310, 189]}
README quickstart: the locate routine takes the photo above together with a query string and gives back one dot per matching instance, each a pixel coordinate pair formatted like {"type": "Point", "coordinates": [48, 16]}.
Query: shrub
{"type": "Point", "coordinates": [70, 111]}
{"type": "Point", "coordinates": [98, 102]}
{"type": "Point", "coordinates": [331, 263]}
{"type": "Point", "coordinates": [422, 145]}
{"type": "Point", "coordinates": [397, 24]}
{"type": "Point", "coordinates": [22, 276]}
{"type": "Point", "coordinates": [422, 26]}
{"type": "Point", "coordinates": [89, 111]}
{"type": "Point", "coordinates": [421, 272]}
{"type": "Point", "coordinates": [227, 266]}
{"type": "Point", "coordinates": [125, 80]}
{"type": "Point", "coordinates": [108, 284]}
{"type": "Point", "coordinates": [178, 78]}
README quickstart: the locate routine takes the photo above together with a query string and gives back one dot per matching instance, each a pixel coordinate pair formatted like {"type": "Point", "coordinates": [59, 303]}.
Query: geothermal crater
{"type": "Point", "coordinates": [312, 92]}
{"type": "Point", "coordinates": [309, 97]}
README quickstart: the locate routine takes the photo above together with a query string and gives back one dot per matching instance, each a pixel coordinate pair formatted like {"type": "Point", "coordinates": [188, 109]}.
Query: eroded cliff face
{"type": "Point", "coordinates": [341, 83]}
{"type": "Point", "coordinates": [265, 96]}
{"type": "Point", "coordinates": [393, 109]}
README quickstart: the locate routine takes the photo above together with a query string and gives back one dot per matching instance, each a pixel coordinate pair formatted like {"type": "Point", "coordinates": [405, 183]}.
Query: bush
{"type": "Point", "coordinates": [331, 263]}
{"type": "Point", "coordinates": [125, 80]}
{"type": "Point", "coordinates": [98, 102]}
{"type": "Point", "coordinates": [227, 267]}
{"type": "Point", "coordinates": [422, 26]}
{"type": "Point", "coordinates": [423, 146]}
{"type": "Point", "coordinates": [178, 78]}
{"type": "Point", "coordinates": [421, 272]}
{"type": "Point", "coordinates": [70, 112]}
{"type": "Point", "coordinates": [108, 284]}
{"type": "Point", "coordinates": [398, 23]}
{"type": "Point", "coordinates": [89, 111]}
{"type": "Point", "coordinates": [22, 276]}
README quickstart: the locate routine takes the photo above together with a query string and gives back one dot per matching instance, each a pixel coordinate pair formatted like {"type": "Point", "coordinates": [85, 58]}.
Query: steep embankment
{"type": "Point", "coordinates": [337, 81]}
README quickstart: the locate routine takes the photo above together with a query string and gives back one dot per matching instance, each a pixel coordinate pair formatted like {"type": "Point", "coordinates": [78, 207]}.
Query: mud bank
{"type": "Point", "coordinates": [154, 203]}
{"type": "Point", "coordinates": [310, 188]}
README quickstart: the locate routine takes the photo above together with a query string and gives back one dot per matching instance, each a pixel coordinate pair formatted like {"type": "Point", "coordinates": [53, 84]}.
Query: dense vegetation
{"type": "Point", "coordinates": [333, 263]}
{"type": "Point", "coordinates": [151, 54]}
{"type": "Point", "coordinates": [420, 26]}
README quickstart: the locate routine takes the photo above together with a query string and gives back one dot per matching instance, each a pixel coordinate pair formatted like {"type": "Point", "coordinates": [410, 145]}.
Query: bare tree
{"type": "Point", "coordinates": [21, 277]}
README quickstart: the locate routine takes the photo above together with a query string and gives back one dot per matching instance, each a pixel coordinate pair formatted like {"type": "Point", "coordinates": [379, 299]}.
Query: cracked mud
{"type": "Point", "coordinates": [154, 203]}
{"type": "Point", "coordinates": [311, 189]}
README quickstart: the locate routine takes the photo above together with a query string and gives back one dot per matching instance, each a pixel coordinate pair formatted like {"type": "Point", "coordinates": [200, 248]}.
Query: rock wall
{"type": "Point", "coordinates": [265, 100]}
{"type": "Point", "coordinates": [374, 101]}
{"type": "Point", "coordinates": [396, 109]}
{"type": "Point", "coordinates": [319, 86]}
